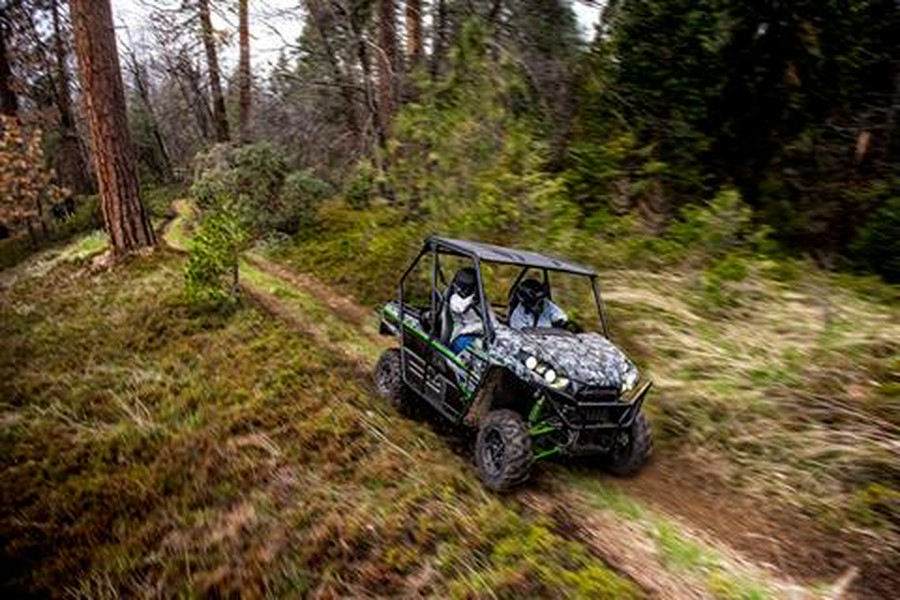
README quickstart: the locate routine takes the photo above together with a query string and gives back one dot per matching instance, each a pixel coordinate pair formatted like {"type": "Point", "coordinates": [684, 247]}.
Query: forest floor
{"type": "Point", "coordinates": [260, 447]}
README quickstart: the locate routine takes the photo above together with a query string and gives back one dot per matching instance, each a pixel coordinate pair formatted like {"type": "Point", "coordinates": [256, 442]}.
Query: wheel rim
{"type": "Point", "coordinates": [622, 450]}
{"type": "Point", "coordinates": [493, 452]}
{"type": "Point", "coordinates": [385, 374]}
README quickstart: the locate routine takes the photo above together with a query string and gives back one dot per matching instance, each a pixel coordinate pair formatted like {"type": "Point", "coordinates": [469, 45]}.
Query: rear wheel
{"type": "Point", "coordinates": [628, 458]}
{"type": "Point", "coordinates": [503, 450]}
{"type": "Point", "coordinates": [389, 382]}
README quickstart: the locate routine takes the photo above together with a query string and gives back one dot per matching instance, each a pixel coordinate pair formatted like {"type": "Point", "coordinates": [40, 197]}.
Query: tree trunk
{"type": "Point", "coordinates": [244, 71]}
{"type": "Point", "coordinates": [414, 33]}
{"type": "Point", "coordinates": [70, 160]}
{"type": "Point", "coordinates": [144, 94]}
{"type": "Point", "coordinates": [113, 156]}
{"type": "Point", "coordinates": [372, 106]}
{"type": "Point", "coordinates": [387, 61]}
{"type": "Point", "coordinates": [193, 94]}
{"type": "Point", "coordinates": [340, 77]}
{"type": "Point", "coordinates": [220, 119]}
{"type": "Point", "coordinates": [439, 41]}
{"type": "Point", "coordinates": [9, 102]}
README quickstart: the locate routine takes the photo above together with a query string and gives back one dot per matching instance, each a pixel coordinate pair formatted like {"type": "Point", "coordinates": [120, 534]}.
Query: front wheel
{"type": "Point", "coordinates": [503, 450]}
{"type": "Point", "coordinates": [628, 458]}
{"type": "Point", "coordinates": [389, 381]}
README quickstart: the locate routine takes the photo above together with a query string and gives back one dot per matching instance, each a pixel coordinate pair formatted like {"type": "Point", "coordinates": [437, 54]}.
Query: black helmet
{"type": "Point", "coordinates": [531, 294]}
{"type": "Point", "coordinates": [464, 282]}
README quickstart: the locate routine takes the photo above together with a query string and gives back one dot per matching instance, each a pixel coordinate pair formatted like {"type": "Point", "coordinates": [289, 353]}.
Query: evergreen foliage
{"type": "Point", "coordinates": [791, 103]}
{"type": "Point", "coordinates": [468, 162]}
{"type": "Point", "coordinates": [212, 270]}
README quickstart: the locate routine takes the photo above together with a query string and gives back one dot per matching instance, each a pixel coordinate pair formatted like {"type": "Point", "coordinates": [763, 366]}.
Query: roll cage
{"type": "Point", "coordinates": [479, 252]}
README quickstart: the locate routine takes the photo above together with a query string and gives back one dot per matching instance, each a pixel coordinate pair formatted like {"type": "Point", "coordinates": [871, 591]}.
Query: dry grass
{"type": "Point", "coordinates": [790, 385]}
{"type": "Point", "coordinates": [785, 381]}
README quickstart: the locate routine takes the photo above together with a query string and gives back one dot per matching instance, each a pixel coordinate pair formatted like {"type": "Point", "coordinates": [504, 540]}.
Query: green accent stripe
{"type": "Point", "coordinates": [546, 453]}
{"type": "Point", "coordinates": [394, 317]}
{"type": "Point", "coordinates": [541, 429]}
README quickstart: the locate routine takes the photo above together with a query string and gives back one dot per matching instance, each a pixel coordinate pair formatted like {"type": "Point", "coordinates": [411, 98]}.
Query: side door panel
{"type": "Point", "coordinates": [416, 357]}
{"type": "Point", "coordinates": [444, 389]}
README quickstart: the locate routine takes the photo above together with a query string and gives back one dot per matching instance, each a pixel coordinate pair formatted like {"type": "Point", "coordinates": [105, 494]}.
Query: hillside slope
{"type": "Point", "coordinates": [148, 448]}
{"type": "Point", "coordinates": [149, 451]}
{"type": "Point", "coordinates": [776, 392]}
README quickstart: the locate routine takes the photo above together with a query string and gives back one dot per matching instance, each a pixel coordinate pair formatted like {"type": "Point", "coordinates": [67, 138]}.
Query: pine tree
{"type": "Point", "coordinates": [113, 156]}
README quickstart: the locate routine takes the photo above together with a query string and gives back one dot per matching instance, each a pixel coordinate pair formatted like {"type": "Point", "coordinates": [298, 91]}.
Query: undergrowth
{"type": "Point", "coordinates": [150, 451]}
{"type": "Point", "coordinates": [783, 377]}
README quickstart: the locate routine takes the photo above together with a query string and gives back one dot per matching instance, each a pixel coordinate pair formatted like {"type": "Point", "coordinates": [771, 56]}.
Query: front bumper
{"type": "Point", "coordinates": [592, 425]}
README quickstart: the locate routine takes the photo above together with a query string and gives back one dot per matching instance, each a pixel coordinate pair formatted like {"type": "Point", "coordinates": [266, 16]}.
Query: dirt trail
{"type": "Point", "coordinates": [781, 553]}
{"type": "Point", "coordinates": [768, 533]}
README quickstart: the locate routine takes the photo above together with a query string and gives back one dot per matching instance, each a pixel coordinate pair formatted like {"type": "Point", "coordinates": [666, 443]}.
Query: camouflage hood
{"type": "Point", "coordinates": [586, 357]}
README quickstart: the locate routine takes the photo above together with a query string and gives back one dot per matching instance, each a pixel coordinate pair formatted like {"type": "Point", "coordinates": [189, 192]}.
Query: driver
{"type": "Point", "coordinates": [467, 324]}
{"type": "Point", "coordinates": [534, 309]}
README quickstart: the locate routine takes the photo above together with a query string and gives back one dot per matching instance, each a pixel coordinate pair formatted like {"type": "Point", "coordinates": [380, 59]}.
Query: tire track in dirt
{"type": "Point", "coordinates": [619, 542]}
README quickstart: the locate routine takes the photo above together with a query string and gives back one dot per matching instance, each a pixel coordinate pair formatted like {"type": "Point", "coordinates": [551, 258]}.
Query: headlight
{"type": "Point", "coordinates": [630, 379]}
{"type": "Point", "coordinates": [560, 383]}
{"type": "Point", "coordinates": [550, 376]}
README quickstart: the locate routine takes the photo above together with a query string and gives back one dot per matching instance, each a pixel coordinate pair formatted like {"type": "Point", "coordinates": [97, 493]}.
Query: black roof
{"type": "Point", "coordinates": [509, 256]}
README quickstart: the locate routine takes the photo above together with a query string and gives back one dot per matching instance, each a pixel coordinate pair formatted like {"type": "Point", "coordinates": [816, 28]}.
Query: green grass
{"type": "Point", "coordinates": [319, 320]}
{"type": "Point", "coordinates": [785, 375]}
{"type": "Point", "coordinates": [150, 450]}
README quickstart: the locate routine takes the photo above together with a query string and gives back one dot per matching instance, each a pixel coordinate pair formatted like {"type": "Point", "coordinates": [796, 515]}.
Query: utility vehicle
{"type": "Point", "coordinates": [530, 392]}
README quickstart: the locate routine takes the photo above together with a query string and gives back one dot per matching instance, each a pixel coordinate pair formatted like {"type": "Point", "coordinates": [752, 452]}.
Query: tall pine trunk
{"type": "Point", "coordinates": [220, 119]}
{"type": "Point", "coordinates": [70, 161]}
{"type": "Point", "coordinates": [9, 102]}
{"type": "Point", "coordinates": [315, 11]}
{"type": "Point", "coordinates": [244, 71]}
{"type": "Point", "coordinates": [414, 33]}
{"type": "Point", "coordinates": [386, 61]}
{"type": "Point", "coordinates": [140, 84]}
{"type": "Point", "coordinates": [188, 78]}
{"type": "Point", "coordinates": [113, 156]}
{"type": "Point", "coordinates": [439, 38]}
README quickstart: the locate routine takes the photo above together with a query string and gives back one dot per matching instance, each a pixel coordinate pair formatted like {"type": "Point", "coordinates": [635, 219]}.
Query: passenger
{"type": "Point", "coordinates": [532, 308]}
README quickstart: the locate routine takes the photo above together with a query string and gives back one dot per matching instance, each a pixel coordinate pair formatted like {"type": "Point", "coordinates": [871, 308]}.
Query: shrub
{"type": "Point", "coordinates": [300, 197]}
{"type": "Point", "coordinates": [361, 186]}
{"type": "Point", "coordinates": [209, 187]}
{"type": "Point", "coordinates": [259, 171]}
{"type": "Point", "coordinates": [877, 248]}
{"type": "Point", "coordinates": [716, 280]}
{"type": "Point", "coordinates": [249, 178]}
{"type": "Point", "coordinates": [211, 273]}
{"type": "Point", "coordinates": [716, 227]}
{"type": "Point", "coordinates": [616, 174]}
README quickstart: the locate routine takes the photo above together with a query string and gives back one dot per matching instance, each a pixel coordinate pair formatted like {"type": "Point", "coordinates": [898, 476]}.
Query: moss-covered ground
{"type": "Point", "coordinates": [148, 451]}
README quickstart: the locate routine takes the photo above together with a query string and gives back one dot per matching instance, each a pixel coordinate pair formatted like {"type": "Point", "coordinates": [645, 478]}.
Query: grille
{"type": "Point", "coordinates": [593, 414]}
{"type": "Point", "coordinates": [598, 394]}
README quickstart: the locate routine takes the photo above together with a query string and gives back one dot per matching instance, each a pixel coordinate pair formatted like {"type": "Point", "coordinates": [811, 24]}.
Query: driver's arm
{"type": "Point", "coordinates": [556, 315]}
